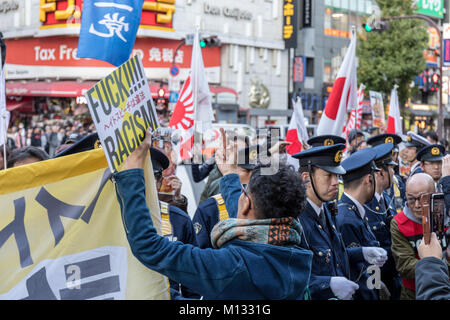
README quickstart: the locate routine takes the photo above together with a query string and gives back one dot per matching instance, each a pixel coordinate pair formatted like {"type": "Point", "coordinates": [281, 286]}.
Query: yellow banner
{"type": "Point", "coordinates": [62, 236]}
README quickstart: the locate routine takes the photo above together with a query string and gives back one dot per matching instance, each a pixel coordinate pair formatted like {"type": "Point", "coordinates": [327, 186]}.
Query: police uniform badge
{"type": "Point", "coordinates": [197, 227]}
{"type": "Point", "coordinates": [389, 140]}
{"type": "Point", "coordinates": [435, 151]}
{"type": "Point", "coordinates": [253, 155]}
{"type": "Point", "coordinates": [338, 156]}
{"type": "Point", "coordinates": [328, 142]}
{"type": "Point", "coordinates": [97, 144]}
{"type": "Point", "coordinates": [409, 138]}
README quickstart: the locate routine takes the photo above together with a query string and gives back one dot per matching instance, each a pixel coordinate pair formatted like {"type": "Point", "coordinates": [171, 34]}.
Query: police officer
{"type": "Point", "coordinates": [430, 158]}
{"type": "Point", "coordinates": [413, 144]}
{"type": "Point", "coordinates": [359, 188]}
{"type": "Point", "coordinates": [325, 140]}
{"type": "Point", "coordinates": [214, 209]}
{"type": "Point", "coordinates": [380, 211]}
{"type": "Point", "coordinates": [330, 272]}
{"type": "Point", "coordinates": [328, 140]}
{"type": "Point", "coordinates": [397, 190]}
{"type": "Point", "coordinates": [176, 225]}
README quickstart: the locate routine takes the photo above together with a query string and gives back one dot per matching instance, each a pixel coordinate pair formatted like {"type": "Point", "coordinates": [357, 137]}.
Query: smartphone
{"type": "Point", "coordinates": [437, 217]}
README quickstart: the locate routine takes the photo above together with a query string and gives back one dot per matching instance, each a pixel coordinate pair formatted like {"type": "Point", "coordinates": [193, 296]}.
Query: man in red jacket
{"type": "Point", "coordinates": [406, 232]}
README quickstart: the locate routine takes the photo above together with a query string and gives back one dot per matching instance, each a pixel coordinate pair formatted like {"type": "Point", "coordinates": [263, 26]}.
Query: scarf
{"type": "Point", "coordinates": [276, 231]}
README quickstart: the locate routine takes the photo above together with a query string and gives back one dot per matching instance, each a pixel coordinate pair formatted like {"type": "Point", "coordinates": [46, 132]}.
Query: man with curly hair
{"type": "Point", "coordinates": [258, 256]}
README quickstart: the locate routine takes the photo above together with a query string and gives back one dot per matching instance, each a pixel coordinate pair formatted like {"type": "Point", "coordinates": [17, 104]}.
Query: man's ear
{"type": "Point", "coordinates": [421, 165]}
{"type": "Point", "coordinates": [305, 177]}
{"type": "Point", "coordinates": [245, 209]}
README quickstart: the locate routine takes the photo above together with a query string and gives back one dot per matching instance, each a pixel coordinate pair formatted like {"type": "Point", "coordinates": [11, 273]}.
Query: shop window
{"type": "Point", "coordinates": [309, 67]}
{"type": "Point", "coordinates": [327, 71]}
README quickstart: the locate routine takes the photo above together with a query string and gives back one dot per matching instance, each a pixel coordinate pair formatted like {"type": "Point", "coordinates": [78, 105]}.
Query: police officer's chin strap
{"type": "Point", "coordinates": [312, 182]}
{"type": "Point", "coordinates": [372, 174]}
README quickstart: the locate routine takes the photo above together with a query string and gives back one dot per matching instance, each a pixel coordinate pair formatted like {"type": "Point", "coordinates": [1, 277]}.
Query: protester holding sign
{"type": "Point", "coordinates": [249, 263]}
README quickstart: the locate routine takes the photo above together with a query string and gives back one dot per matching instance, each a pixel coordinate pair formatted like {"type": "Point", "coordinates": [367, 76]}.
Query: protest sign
{"type": "Point", "coordinates": [62, 235]}
{"type": "Point", "coordinates": [122, 109]}
{"type": "Point", "coordinates": [378, 116]}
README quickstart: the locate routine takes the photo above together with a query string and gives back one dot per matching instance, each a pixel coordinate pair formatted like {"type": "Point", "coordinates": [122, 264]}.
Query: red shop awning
{"type": "Point", "coordinates": [24, 104]}
{"type": "Point", "coordinates": [61, 88]}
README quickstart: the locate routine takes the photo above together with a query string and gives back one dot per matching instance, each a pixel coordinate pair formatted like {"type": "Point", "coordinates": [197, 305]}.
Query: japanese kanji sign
{"type": "Point", "coordinates": [62, 236]}
{"type": "Point", "coordinates": [122, 109]}
{"type": "Point", "coordinates": [108, 30]}
{"type": "Point", "coordinates": [290, 23]}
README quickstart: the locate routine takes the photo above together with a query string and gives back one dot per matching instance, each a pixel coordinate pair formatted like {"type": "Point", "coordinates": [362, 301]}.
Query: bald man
{"type": "Point", "coordinates": [406, 232]}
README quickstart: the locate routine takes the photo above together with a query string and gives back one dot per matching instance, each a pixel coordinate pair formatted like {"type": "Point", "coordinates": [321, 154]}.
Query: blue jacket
{"type": "Point", "coordinates": [238, 270]}
{"type": "Point", "coordinates": [356, 233]}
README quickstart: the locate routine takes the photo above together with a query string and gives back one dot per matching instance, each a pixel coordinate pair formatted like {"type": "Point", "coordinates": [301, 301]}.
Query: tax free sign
{"type": "Point", "coordinates": [432, 8]}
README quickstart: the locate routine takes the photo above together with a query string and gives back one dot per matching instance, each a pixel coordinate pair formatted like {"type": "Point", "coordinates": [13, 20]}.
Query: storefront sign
{"type": "Point", "coordinates": [234, 13]}
{"type": "Point", "coordinates": [156, 14]}
{"type": "Point", "coordinates": [432, 8]}
{"type": "Point", "coordinates": [6, 6]}
{"type": "Point", "coordinates": [52, 57]}
{"type": "Point", "coordinates": [290, 23]}
{"type": "Point", "coordinates": [307, 13]}
{"type": "Point", "coordinates": [299, 69]}
{"type": "Point", "coordinates": [446, 44]}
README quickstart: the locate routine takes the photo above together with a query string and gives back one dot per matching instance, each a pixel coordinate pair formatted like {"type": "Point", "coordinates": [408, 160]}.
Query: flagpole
{"type": "Point", "coordinates": [3, 115]}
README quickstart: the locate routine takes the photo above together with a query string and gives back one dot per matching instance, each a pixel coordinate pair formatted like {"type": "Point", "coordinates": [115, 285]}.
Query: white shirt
{"type": "Point", "coordinates": [314, 206]}
{"type": "Point", "coordinates": [358, 205]}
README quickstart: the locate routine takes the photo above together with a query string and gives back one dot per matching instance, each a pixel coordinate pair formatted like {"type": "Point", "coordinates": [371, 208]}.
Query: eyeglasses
{"type": "Point", "coordinates": [412, 199]}
{"type": "Point", "coordinates": [158, 174]}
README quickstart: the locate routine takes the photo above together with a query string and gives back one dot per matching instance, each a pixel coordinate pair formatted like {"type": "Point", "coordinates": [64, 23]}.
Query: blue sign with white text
{"type": "Point", "coordinates": [108, 29]}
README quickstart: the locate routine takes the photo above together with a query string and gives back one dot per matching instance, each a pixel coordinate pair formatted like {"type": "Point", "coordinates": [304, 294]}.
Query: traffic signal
{"type": "Point", "coordinates": [376, 26]}
{"type": "Point", "coordinates": [208, 42]}
{"type": "Point", "coordinates": [161, 93]}
{"type": "Point", "coordinates": [435, 78]}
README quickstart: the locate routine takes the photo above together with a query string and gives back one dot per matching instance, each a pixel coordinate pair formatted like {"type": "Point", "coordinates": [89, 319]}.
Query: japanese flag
{"type": "Point", "coordinates": [297, 133]}
{"type": "Point", "coordinates": [193, 111]}
{"type": "Point", "coordinates": [394, 121]}
{"type": "Point", "coordinates": [343, 96]}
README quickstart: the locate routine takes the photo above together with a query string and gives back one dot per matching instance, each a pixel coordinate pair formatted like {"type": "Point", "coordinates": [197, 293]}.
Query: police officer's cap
{"type": "Point", "coordinates": [384, 154]}
{"type": "Point", "coordinates": [160, 161]}
{"type": "Point", "coordinates": [384, 138]}
{"type": "Point", "coordinates": [86, 143]}
{"type": "Point", "coordinates": [249, 157]}
{"type": "Point", "coordinates": [359, 164]}
{"type": "Point", "coordinates": [434, 152]}
{"type": "Point", "coordinates": [325, 140]}
{"type": "Point", "coordinates": [415, 140]}
{"type": "Point", "coordinates": [327, 158]}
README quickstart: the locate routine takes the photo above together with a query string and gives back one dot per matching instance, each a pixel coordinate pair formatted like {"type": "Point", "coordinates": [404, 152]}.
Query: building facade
{"type": "Point", "coordinates": [248, 70]}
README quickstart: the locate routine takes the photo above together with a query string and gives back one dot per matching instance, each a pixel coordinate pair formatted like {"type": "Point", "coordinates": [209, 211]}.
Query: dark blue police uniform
{"type": "Point", "coordinates": [397, 192]}
{"type": "Point", "coordinates": [322, 237]}
{"type": "Point", "coordinates": [380, 213]}
{"type": "Point", "coordinates": [354, 227]}
{"type": "Point", "coordinates": [417, 141]}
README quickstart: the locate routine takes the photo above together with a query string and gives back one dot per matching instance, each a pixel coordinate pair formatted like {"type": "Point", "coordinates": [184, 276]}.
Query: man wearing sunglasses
{"type": "Point", "coordinates": [259, 256]}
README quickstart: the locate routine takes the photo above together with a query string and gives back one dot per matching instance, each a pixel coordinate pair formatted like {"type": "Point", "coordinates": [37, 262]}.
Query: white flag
{"type": "Point", "coordinates": [4, 114]}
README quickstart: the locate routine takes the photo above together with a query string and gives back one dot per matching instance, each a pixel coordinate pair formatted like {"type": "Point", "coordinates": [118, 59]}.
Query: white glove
{"type": "Point", "coordinates": [375, 255]}
{"type": "Point", "coordinates": [343, 288]}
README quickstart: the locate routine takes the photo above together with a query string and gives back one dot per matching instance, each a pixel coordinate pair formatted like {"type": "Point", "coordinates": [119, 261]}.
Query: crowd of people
{"type": "Point", "coordinates": [338, 220]}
